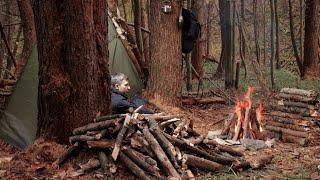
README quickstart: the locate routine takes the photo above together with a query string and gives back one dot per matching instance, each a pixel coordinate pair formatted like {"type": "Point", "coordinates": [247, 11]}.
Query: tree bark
{"type": "Point", "coordinates": [293, 40]}
{"type": "Point", "coordinates": [198, 50]}
{"type": "Point", "coordinates": [201, 163]}
{"type": "Point", "coordinates": [29, 32]}
{"type": "Point", "coordinates": [310, 62]}
{"type": "Point", "coordinates": [272, 42]}
{"type": "Point", "coordinates": [136, 170]}
{"type": "Point", "coordinates": [137, 28]}
{"type": "Point", "coordinates": [277, 55]}
{"type": "Point", "coordinates": [164, 82]}
{"type": "Point", "coordinates": [73, 65]}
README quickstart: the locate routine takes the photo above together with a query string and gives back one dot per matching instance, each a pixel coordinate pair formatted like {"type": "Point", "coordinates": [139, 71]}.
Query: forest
{"type": "Point", "coordinates": [159, 89]}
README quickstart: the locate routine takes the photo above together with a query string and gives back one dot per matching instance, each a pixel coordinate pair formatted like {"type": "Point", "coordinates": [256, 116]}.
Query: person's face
{"type": "Point", "coordinates": [123, 86]}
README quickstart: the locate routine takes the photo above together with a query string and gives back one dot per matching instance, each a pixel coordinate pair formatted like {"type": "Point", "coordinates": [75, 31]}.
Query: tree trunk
{"type": "Point", "coordinates": [227, 53]}
{"type": "Point", "coordinates": [198, 50]}
{"type": "Point", "coordinates": [255, 29]}
{"type": "Point", "coordinates": [164, 82]}
{"type": "Point", "coordinates": [277, 34]}
{"type": "Point", "coordinates": [209, 28]}
{"type": "Point", "coordinates": [293, 40]}
{"type": "Point", "coordinates": [73, 57]}
{"type": "Point", "coordinates": [145, 36]}
{"type": "Point", "coordinates": [310, 62]}
{"type": "Point", "coordinates": [264, 34]}
{"type": "Point", "coordinates": [220, 68]}
{"type": "Point", "coordinates": [137, 28]}
{"type": "Point", "coordinates": [29, 32]}
{"type": "Point", "coordinates": [272, 42]}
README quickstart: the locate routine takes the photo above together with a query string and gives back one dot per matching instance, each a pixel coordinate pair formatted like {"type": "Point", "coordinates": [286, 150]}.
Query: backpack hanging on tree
{"type": "Point", "coordinates": [190, 30]}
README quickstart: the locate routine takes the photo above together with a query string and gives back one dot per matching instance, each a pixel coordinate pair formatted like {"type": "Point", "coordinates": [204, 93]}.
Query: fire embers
{"type": "Point", "coordinates": [247, 121]}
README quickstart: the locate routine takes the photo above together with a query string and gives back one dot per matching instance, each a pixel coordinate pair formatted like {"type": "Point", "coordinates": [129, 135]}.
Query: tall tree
{"type": "Point", "coordinates": [226, 26]}
{"type": "Point", "coordinates": [276, 16]}
{"type": "Point", "coordinates": [272, 41]}
{"type": "Point", "coordinates": [29, 32]}
{"type": "Point", "coordinates": [198, 50]}
{"type": "Point", "coordinates": [164, 84]}
{"type": "Point", "coordinates": [310, 62]}
{"type": "Point", "coordinates": [73, 57]}
{"type": "Point", "coordinates": [256, 31]}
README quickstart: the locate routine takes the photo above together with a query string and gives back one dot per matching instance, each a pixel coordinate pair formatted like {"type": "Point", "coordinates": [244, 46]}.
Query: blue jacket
{"type": "Point", "coordinates": [120, 103]}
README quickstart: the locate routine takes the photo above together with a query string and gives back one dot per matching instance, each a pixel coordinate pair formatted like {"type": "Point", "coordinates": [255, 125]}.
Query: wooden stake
{"type": "Point", "coordinates": [201, 163]}
{"type": "Point", "coordinates": [120, 136]}
{"type": "Point", "coordinates": [162, 157]}
{"type": "Point", "coordinates": [136, 170]}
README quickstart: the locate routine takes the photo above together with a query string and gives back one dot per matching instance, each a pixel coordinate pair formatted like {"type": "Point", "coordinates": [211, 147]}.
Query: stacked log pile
{"type": "Point", "coordinates": [150, 146]}
{"type": "Point", "coordinates": [294, 116]}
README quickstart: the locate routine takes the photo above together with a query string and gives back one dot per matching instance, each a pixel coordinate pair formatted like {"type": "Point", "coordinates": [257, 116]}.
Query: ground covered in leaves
{"type": "Point", "coordinates": [37, 161]}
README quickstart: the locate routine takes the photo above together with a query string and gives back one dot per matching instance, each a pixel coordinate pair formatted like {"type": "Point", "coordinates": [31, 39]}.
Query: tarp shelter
{"type": "Point", "coordinates": [19, 119]}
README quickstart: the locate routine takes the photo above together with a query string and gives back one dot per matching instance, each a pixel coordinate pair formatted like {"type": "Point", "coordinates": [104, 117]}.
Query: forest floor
{"type": "Point", "coordinates": [36, 161]}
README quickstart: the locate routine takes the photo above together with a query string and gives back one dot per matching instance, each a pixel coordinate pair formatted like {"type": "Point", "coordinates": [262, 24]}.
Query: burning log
{"type": "Point", "coordinates": [260, 161]}
{"type": "Point", "coordinates": [223, 148]}
{"type": "Point", "coordinates": [201, 163]}
{"type": "Point", "coordinates": [136, 170]}
{"type": "Point", "coordinates": [288, 131]}
{"type": "Point", "coordinates": [162, 157]}
{"type": "Point", "coordinates": [96, 126]}
{"type": "Point", "coordinates": [120, 136]}
{"type": "Point", "coordinates": [301, 92]}
{"type": "Point", "coordinates": [296, 97]}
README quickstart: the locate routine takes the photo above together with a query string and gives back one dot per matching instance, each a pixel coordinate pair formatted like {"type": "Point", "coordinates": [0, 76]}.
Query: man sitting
{"type": "Point", "coordinates": [119, 101]}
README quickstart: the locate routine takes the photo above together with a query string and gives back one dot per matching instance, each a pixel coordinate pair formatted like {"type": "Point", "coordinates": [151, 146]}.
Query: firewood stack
{"type": "Point", "coordinates": [294, 116]}
{"type": "Point", "coordinates": [150, 146]}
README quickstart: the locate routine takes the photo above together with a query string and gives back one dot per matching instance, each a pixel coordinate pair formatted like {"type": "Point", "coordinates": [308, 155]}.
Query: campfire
{"type": "Point", "coordinates": [247, 121]}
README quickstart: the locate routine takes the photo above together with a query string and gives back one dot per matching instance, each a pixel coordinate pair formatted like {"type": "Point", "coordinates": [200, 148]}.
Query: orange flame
{"type": "Point", "coordinates": [247, 97]}
{"type": "Point", "coordinates": [259, 116]}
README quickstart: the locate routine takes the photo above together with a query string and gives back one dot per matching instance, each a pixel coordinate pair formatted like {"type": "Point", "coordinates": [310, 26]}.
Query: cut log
{"type": "Point", "coordinates": [295, 97]}
{"type": "Point", "coordinates": [131, 166]}
{"type": "Point", "coordinates": [192, 132]}
{"type": "Point", "coordinates": [164, 142]}
{"type": "Point", "coordinates": [166, 123]}
{"type": "Point", "coordinates": [287, 126]}
{"type": "Point", "coordinates": [223, 148]}
{"type": "Point", "coordinates": [301, 92]}
{"type": "Point", "coordinates": [68, 153]}
{"type": "Point", "coordinates": [164, 118]}
{"type": "Point", "coordinates": [201, 163]}
{"type": "Point", "coordinates": [237, 165]}
{"type": "Point", "coordinates": [194, 140]}
{"type": "Point", "coordinates": [95, 126]}
{"type": "Point", "coordinates": [260, 161]}
{"type": "Point", "coordinates": [295, 104]}
{"type": "Point", "coordinates": [293, 139]}
{"type": "Point", "coordinates": [73, 139]}
{"type": "Point", "coordinates": [214, 157]}
{"type": "Point", "coordinates": [103, 161]}
{"type": "Point", "coordinates": [284, 120]}
{"type": "Point", "coordinates": [288, 131]}
{"type": "Point", "coordinates": [102, 144]}
{"type": "Point", "coordinates": [204, 101]}
{"type": "Point", "coordinates": [296, 110]}
{"type": "Point", "coordinates": [108, 117]}
{"type": "Point", "coordinates": [120, 136]}
{"type": "Point", "coordinates": [101, 134]}
{"type": "Point", "coordinates": [180, 127]}
{"type": "Point", "coordinates": [289, 115]}
{"type": "Point", "coordinates": [246, 129]}
{"type": "Point", "coordinates": [162, 157]}
{"type": "Point", "coordinates": [190, 175]}
{"type": "Point", "coordinates": [141, 161]}
{"type": "Point", "coordinates": [90, 165]}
